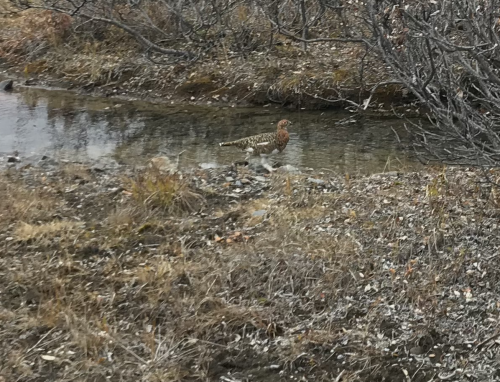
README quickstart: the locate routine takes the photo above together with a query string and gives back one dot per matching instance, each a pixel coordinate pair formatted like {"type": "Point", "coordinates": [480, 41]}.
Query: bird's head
{"type": "Point", "coordinates": [283, 124]}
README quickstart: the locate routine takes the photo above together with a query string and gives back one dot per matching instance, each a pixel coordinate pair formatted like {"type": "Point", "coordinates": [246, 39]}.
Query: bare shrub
{"type": "Point", "coordinates": [447, 54]}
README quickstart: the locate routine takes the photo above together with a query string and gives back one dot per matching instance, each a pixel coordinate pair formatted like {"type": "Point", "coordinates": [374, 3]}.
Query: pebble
{"type": "Point", "coordinates": [13, 159]}
{"type": "Point", "coordinates": [260, 178]}
{"type": "Point", "coordinates": [289, 169]}
{"type": "Point", "coordinates": [46, 161]}
{"type": "Point", "coordinates": [6, 85]}
{"type": "Point", "coordinates": [315, 181]}
{"type": "Point", "coordinates": [259, 213]}
{"type": "Point", "coordinates": [206, 166]}
{"type": "Point", "coordinates": [416, 350]}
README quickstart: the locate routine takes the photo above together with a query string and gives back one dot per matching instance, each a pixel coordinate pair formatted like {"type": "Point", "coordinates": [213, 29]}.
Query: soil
{"type": "Point", "coordinates": [228, 275]}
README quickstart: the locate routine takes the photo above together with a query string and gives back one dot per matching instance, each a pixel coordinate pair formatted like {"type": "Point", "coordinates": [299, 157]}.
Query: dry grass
{"type": "Point", "coordinates": [22, 203]}
{"type": "Point", "coordinates": [171, 192]}
{"type": "Point", "coordinates": [59, 229]}
{"type": "Point", "coordinates": [322, 283]}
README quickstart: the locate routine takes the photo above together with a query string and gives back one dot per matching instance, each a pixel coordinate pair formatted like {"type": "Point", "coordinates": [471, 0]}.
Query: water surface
{"type": "Point", "coordinates": [63, 124]}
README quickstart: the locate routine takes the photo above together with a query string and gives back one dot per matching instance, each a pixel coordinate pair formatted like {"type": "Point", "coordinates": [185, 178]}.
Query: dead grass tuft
{"type": "Point", "coordinates": [20, 202]}
{"type": "Point", "coordinates": [170, 192]}
{"type": "Point", "coordinates": [59, 229]}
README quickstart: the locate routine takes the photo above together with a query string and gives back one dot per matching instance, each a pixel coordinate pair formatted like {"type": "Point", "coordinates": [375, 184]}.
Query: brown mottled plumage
{"type": "Point", "coordinates": [264, 144]}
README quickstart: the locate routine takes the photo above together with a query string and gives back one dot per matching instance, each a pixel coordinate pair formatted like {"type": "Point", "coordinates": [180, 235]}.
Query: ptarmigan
{"type": "Point", "coordinates": [264, 144]}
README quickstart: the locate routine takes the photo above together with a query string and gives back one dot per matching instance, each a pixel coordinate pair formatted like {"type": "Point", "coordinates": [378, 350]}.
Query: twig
{"type": "Point", "coordinates": [131, 352]}
{"type": "Point", "coordinates": [41, 339]}
{"type": "Point", "coordinates": [493, 337]}
{"type": "Point", "coordinates": [340, 376]}
{"type": "Point", "coordinates": [177, 161]}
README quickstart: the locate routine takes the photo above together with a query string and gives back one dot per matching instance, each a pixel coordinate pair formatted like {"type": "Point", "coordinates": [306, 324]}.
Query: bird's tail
{"type": "Point", "coordinates": [232, 143]}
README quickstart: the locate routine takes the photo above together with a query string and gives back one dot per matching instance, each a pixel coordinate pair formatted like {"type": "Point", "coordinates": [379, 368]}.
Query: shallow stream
{"type": "Point", "coordinates": [61, 124]}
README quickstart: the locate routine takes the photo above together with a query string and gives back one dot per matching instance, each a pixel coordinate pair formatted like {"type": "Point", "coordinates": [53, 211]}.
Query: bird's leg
{"type": "Point", "coordinates": [266, 165]}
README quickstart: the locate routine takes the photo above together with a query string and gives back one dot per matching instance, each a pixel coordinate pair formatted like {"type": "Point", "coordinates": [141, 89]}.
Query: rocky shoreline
{"type": "Point", "coordinates": [225, 274]}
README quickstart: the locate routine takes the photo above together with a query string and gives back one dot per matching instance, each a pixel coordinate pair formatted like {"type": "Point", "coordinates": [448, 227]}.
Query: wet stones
{"type": "Point", "coordinates": [46, 162]}
{"type": "Point", "coordinates": [13, 159]}
{"type": "Point", "coordinates": [6, 85]}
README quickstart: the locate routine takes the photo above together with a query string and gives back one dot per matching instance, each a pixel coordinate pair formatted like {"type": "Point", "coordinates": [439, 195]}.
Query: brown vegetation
{"type": "Point", "coordinates": [349, 279]}
{"type": "Point", "coordinates": [240, 58]}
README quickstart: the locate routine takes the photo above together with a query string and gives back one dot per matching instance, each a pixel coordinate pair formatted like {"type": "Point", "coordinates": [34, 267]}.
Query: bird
{"type": "Point", "coordinates": [264, 144]}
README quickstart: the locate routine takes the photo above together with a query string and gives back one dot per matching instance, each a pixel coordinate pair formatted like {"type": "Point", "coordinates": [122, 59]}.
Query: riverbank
{"type": "Point", "coordinates": [223, 274]}
{"type": "Point", "coordinates": [326, 76]}
{"type": "Point", "coordinates": [158, 84]}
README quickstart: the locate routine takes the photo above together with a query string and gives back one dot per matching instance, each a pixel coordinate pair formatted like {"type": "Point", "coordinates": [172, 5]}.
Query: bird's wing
{"type": "Point", "coordinates": [261, 139]}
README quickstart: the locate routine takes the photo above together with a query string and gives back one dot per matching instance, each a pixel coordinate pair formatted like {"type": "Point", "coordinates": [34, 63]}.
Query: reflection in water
{"type": "Point", "coordinates": [56, 123]}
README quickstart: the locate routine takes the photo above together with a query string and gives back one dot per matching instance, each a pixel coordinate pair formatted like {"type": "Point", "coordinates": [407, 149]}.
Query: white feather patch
{"type": "Point", "coordinates": [263, 144]}
{"type": "Point", "coordinates": [249, 150]}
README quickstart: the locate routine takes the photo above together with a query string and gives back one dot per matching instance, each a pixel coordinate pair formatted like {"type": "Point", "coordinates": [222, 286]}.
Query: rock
{"type": "Point", "coordinates": [259, 213]}
{"type": "Point", "coordinates": [6, 85]}
{"type": "Point", "coordinates": [238, 183]}
{"type": "Point", "coordinates": [229, 179]}
{"type": "Point", "coordinates": [260, 178]}
{"type": "Point", "coordinates": [104, 164]}
{"type": "Point", "coordinates": [241, 163]}
{"type": "Point", "coordinates": [13, 159]}
{"type": "Point", "coordinates": [245, 181]}
{"type": "Point", "coordinates": [47, 162]}
{"type": "Point", "coordinates": [163, 164]}
{"type": "Point", "coordinates": [386, 174]}
{"type": "Point", "coordinates": [416, 350]}
{"type": "Point", "coordinates": [289, 169]}
{"type": "Point", "coordinates": [206, 166]}
{"type": "Point", "coordinates": [258, 168]}
{"type": "Point", "coordinates": [316, 181]}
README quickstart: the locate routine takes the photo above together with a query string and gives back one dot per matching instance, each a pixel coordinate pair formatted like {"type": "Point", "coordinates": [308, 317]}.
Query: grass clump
{"type": "Point", "coordinates": [26, 232]}
{"type": "Point", "coordinates": [171, 192]}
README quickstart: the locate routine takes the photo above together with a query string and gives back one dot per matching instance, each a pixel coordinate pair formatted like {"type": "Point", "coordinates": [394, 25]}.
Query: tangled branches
{"type": "Point", "coordinates": [447, 53]}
